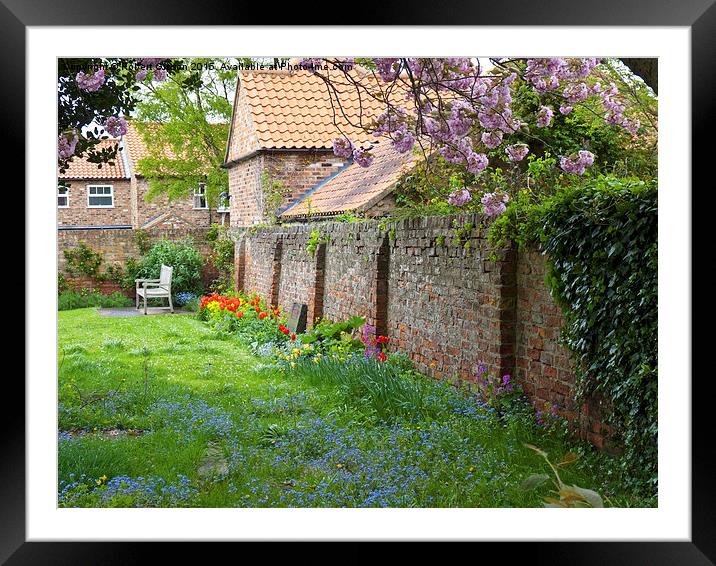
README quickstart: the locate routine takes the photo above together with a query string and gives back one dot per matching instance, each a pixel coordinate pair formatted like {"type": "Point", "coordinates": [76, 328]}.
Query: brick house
{"type": "Point", "coordinates": [114, 197]}
{"type": "Point", "coordinates": [280, 151]}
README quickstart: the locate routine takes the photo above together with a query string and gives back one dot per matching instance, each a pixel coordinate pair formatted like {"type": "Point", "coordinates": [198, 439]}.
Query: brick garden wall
{"type": "Point", "coordinates": [449, 303]}
{"type": "Point", "coordinates": [116, 246]}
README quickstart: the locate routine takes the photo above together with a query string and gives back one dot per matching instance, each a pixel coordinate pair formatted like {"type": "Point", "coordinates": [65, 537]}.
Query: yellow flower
{"type": "Point", "coordinates": [315, 359]}
{"type": "Point", "coordinates": [295, 351]}
{"type": "Point", "coordinates": [339, 466]}
{"type": "Point", "coordinates": [293, 364]}
{"type": "Point", "coordinates": [471, 469]}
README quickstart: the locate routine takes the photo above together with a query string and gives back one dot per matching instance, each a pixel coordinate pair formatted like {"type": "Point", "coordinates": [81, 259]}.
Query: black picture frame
{"type": "Point", "coordinates": [699, 15]}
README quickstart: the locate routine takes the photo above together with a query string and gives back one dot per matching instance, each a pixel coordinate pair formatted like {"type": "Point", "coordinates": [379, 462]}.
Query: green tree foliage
{"type": "Point", "coordinates": [185, 123]}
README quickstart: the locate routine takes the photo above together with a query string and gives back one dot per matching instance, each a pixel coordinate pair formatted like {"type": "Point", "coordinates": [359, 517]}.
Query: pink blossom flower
{"type": "Point", "coordinates": [342, 147]}
{"type": "Point", "coordinates": [517, 152]}
{"type": "Point", "coordinates": [476, 162]}
{"type": "Point", "coordinates": [66, 143]}
{"type": "Point", "coordinates": [91, 82]}
{"type": "Point", "coordinates": [577, 163]}
{"type": "Point", "coordinates": [115, 126]}
{"type": "Point", "coordinates": [459, 198]}
{"type": "Point", "coordinates": [492, 139]}
{"type": "Point", "coordinates": [544, 116]}
{"type": "Point", "coordinates": [362, 157]}
{"type": "Point", "coordinates": [494, 203]}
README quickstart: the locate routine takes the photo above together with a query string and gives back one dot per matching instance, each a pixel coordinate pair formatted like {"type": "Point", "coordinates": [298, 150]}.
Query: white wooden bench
{"type": "Point", "coordinates": [156, 288]}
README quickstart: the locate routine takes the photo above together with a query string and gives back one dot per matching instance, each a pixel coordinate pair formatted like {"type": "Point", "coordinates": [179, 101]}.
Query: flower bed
{"type": "Point", "coordinates": [263, 326]}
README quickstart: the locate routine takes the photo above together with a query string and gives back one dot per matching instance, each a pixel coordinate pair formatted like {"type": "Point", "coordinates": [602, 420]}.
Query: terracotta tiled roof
{"type": "Point", "coordinates": [355, 188]}
{"type": "Point", "coordinates": [83, 169]}
{"type": "Point", "coordinates": [296, 109]}
{"type": "Point", "coordinates": [136, 148]}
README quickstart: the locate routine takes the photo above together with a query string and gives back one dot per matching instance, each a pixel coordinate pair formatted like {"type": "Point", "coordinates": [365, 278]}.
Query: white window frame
{"type": "Point", "coordinates": [65, 196]}
{"type": "Point", "coordinates": [224, 203]}
{"type": "Point", "coordinates": [111, 194]}
{"type": "Point", "coordinates": [200, 192]}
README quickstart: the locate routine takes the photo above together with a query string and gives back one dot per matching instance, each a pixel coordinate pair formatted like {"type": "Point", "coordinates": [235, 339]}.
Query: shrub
{"type": "Point", "coordinates": [222, 257]}
{"type": "Point", "coordinates": [62, 284]}
{"type": "Point", "coordinates": [181, 255]}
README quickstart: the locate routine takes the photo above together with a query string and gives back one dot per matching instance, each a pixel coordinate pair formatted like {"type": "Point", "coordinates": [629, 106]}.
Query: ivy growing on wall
{"type": "Point", "coordinates": [83, 260]}
{"type": "Point", "coordinates": [601, 241]}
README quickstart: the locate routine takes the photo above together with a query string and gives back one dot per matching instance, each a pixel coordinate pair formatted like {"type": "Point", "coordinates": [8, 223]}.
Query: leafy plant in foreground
{"type": "Point", "coordinates": [569, 495]}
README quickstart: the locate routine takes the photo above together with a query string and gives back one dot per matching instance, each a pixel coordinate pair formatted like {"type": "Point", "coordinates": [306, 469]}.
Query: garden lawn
{"type": "Point", "coordinates": [161, 411]}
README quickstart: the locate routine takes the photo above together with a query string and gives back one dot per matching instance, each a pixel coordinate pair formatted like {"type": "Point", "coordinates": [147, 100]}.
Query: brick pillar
{"type": "Point", "coordinates": [276, 270]}
{"type": "Point", "coordinates": [380, 287]}
{"type": "Point", "coordinates": [315, 301]}
{"type": "Point", "coordinates": [240, 263]}
{"type": "Point", "coordinates": [507, 308]}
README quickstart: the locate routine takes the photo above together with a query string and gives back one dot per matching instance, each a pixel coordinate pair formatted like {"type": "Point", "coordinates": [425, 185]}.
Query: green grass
{"type": "Point", "coordinates": [214, 426]}
{"type": "Point", "coordinates": [69, 300]}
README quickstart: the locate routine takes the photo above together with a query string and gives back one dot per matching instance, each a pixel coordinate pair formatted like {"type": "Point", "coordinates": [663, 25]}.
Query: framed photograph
{"type": "Point", "coordinates": [55, 512]}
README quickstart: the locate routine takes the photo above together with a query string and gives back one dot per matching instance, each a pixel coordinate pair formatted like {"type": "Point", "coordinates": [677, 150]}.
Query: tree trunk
{"type": "Point", "coordinates": [647, 69]}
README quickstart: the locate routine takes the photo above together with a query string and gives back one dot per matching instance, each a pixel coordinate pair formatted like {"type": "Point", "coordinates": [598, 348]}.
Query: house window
{"type": "Point", "coordinates": [100, 196]}
{"type": "Point", "coordinates": [63, 197]}
{"type": "Point", "coordinates": [200, 196]}
{"type": "Point", "coordinates": [223, 202]}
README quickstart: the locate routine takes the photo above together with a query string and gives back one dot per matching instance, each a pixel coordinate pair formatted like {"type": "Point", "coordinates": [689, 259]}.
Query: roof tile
{"type": "Point", "coordinates": [82, 169]}
{"type": "Point", "coordinates": [295, 109]}
{"type": "Point", "coordinates": [355, 188]}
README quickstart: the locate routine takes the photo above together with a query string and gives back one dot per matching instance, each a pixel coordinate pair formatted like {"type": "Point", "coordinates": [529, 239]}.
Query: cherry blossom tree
{"type": "Point", "coordinates": [94, 98]}
{"type": "Point", "coordinates": [462, 109]}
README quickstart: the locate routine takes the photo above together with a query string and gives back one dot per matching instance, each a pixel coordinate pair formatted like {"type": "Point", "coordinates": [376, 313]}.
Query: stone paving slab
{"type": "Point", "coordinates": [120, 312]}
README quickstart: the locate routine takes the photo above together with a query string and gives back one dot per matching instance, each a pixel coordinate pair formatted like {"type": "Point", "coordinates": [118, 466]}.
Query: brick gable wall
{"type": "Point", "coordinates": [292, 173]}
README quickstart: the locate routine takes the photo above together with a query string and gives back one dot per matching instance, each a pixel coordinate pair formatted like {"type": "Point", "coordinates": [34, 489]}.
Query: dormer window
{"type": "Point", "coordinates": [200, 196]}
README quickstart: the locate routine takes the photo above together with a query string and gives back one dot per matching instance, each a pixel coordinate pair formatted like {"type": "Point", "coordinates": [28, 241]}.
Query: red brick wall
{"type": "Point", "coordinates": [543, 366]}
{"type": "Point", "coordinates": [449, 305]}
{"type": "Point", "coordinates": [149, 209]}
{"type": "Point", "coordinates": [290, 173]}
{"type": "Point", "coordinates": [78, 214]}
{"type": "Point", "coordinates": [116, 246]}
{"type": "Point", "coordinates": [246, 194]}
{"type": "Point", "coordinates": [296, 172]}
